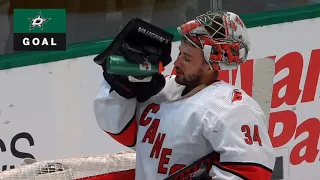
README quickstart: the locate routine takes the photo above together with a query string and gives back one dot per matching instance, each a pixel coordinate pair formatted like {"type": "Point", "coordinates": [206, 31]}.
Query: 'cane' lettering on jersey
{"type": "Point", "coordinates": [150, 135]}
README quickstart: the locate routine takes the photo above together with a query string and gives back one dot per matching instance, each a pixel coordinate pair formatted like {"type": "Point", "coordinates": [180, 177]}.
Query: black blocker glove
{"type": "Point", "coordinates": [139, 41]}
{"type": "Point", "coordinates": [141, 90]}
{"type": "Point", "coordinates": [145, 90]}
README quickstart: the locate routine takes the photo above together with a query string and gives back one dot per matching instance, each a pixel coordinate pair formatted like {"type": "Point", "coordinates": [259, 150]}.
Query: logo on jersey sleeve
{"type": "Point", "coordinates": [236, 95]}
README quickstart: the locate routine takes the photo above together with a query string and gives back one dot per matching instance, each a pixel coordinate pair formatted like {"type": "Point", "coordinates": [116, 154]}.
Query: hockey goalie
{"type": "Point", "coordinates": [173, 121]}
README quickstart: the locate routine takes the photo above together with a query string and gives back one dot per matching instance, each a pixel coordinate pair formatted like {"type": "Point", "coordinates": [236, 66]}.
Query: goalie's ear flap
{"type": "Point", "coordinates": [139, 33]}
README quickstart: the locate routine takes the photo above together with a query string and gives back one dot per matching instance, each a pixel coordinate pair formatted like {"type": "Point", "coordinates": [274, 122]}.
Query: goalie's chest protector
{"type": "Point", "coordinates": [169, 137]}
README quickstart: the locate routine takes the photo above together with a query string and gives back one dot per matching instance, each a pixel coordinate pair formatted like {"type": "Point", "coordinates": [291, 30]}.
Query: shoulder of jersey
{"type": "Point", "coordinates": [220, 97]}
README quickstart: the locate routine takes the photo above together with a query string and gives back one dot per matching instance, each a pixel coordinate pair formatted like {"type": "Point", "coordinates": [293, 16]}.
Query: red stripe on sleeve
{"type": "Point", "coordinates": [248, 171]}
{"type": "Point", "coordinates": [127, 136]}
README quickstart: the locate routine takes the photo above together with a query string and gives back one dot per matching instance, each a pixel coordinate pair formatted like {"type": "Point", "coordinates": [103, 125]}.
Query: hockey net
{"type": "Point", "coordinates": [105, 167]}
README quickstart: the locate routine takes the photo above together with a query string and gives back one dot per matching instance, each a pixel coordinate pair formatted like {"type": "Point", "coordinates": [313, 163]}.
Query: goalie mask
{"type": "Point", "coordinates": [221, 35]}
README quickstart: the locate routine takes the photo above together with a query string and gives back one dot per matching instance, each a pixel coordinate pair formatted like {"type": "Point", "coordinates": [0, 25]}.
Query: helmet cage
{"type": "Point", "coordinates": [216, 30]}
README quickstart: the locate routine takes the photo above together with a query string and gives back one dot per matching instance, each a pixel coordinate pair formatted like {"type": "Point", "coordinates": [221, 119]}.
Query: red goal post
{"type": "Point", "coordinates": [104, 167]}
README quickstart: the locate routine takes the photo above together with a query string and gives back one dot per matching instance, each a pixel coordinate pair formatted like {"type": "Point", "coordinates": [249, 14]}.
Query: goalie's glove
{"type": "Point", "coordinates": [138, 53]}
{"type": "Point", "coordinates": [138, 41]}
{"type": "Point", "coordinates": [141, 90]}
{"type": "Point", "coordinates": [145, 90]}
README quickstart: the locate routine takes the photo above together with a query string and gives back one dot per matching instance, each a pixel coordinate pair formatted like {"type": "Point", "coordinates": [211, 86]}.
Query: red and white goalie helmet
{"type": "Point", "coordinates": [221, 35]}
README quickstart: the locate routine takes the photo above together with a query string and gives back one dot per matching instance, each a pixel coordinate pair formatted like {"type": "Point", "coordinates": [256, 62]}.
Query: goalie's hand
{"type": "Point", "coordinates": [136, 44]}
{"type": "Point", "coordinates": [141, 90]}
{"type": "Point", "coordinates": [145, 90]}
{"type": "Point", "coordinates": [148, 86]}
{"type": "Point", "coordinates": [130, 87]}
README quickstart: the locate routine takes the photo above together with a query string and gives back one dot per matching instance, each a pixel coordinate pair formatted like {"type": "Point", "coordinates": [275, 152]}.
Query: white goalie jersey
{"type": "Point", "coordinates": [170, 132]}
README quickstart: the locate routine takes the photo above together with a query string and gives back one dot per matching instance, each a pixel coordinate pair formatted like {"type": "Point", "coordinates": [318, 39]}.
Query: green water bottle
{"type": "Point", "coordinates": [121, 66]}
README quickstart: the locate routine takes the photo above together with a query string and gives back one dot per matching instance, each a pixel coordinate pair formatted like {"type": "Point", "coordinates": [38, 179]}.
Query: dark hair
{"type": "Point", "coordinates": [184, 40]}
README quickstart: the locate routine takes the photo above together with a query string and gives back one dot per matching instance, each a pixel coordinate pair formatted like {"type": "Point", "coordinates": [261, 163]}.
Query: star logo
{"type": "Point", "coordinates": [38, 21]}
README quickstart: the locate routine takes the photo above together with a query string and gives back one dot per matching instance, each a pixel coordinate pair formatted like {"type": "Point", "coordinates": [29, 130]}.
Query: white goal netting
{"type": "Point", "coordinates": [106, 167]}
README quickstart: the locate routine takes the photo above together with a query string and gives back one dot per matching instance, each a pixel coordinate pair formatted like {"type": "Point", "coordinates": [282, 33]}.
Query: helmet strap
{"type": "Point", "coordinates": [206, 53]}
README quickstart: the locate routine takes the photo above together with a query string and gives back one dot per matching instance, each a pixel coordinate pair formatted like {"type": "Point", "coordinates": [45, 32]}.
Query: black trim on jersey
{"type": "Point", "coordinates": [125, 128]}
